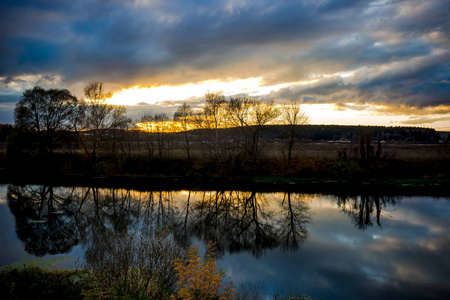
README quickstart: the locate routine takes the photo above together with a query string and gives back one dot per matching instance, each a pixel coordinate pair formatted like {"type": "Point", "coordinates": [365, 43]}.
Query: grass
{"type": "Point", "coordinates": [32, 282]}
{"type": "Point", "coordinates": [37, 278]}
{"type": "Point", "coordinates": [42, 263]}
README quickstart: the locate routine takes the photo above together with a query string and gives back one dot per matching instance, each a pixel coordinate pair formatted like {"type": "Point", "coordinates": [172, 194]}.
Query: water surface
{"type": "Point", "coordinates": [325, 246]}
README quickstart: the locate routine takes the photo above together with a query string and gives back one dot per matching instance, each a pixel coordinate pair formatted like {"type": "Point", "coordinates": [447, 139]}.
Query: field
{"type": "Point", "coordinates": [396, 150]}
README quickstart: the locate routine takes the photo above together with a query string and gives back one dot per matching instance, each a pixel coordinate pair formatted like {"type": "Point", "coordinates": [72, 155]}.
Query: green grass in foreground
{"type": "Point", "coordinates": [365, 181]}
{"type": "Point", "coordinates": [31, 282]}
{"type": "Point", "coordinates": [36, 283]}
{"type": "Point", "coordinates": [42, 263]}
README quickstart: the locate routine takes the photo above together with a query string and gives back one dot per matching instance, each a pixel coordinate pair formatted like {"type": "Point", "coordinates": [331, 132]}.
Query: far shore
{"type": "Point", "coordinates": [392, 186]}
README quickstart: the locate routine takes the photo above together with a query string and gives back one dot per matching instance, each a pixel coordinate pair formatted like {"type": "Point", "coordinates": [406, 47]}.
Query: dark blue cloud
{"type": "Point", "coordinates": [7, 104]}
{"type": "Point", "coordinates": [171, 42]}
{"type": "Point", "coordinates": [359, 49]}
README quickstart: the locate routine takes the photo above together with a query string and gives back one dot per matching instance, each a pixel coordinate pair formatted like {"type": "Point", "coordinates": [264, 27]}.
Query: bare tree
{"type": "Point", "coordinates": [161, 128]}
{"type": "Point", "coordinates": [292, 116]}
{"type": "Point", "coordinates": [128, 138]}
{"type": "Point", "coordinates": [149, 141]}
{"type": "Point", "coordinates": [184, 117]}
{"type": "Point", "coordinates": [156, 128]}
{"type": "Point", "coordinates": [95, 118]}
{"type": "Point", "coordinates": [214, 111]}
{"type": "Point", "coordinates": [251, 115]}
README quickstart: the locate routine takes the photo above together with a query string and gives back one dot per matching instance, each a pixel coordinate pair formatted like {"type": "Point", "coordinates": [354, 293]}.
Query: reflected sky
{"type": "Point", "coordinates": [364, 247]}
{"type": "Point", "coordinates": [407, 258]}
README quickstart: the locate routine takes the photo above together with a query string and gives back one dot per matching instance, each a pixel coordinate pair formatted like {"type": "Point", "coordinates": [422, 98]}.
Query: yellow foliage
{"type": "Point", "coordinates": [201, 280]}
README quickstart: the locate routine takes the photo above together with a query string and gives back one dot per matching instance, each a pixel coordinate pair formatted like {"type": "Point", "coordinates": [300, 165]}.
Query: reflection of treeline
{"type": "Point", "coordinates": [365, 209]}
{"type": "Point", "coordinates": [53, 220]}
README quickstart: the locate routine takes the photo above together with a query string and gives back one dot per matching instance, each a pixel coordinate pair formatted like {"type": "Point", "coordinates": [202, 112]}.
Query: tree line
{"type": "Point", "coordinates": [47, 120]}
{"type": "Point", "coordinates": [229, 132]}
{"type": "Point", "coordinates": [45, 117]}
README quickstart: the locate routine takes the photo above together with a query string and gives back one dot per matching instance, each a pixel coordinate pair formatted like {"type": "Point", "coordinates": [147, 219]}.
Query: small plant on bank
{"type": "Point", "coordinates": [132, 265]}
{"type": "Point", "coordinates": [201, 280]}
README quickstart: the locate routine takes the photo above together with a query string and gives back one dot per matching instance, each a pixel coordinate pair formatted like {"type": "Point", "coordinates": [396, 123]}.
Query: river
{"type": "Point", "coordinates": [319, 245]}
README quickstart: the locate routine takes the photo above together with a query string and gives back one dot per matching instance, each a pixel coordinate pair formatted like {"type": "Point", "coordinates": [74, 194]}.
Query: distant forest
{"type": "Point", "coordinates": [352, 133]}
{"type": "Point", "coordinates": [327, 133]}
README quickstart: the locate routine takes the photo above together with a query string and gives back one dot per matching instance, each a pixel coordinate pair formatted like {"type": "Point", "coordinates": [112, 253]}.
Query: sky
{"type": "Point", "coordinates": [383, 62]}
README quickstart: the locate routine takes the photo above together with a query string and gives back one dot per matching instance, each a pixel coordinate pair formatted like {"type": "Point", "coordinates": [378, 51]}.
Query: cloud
{"type": "Point", "coordinates": [424, 120]}
{"type": "Point", "coordinates": [17, 84]}
{"type": "Point", "coordinates": [135, 112]}
{"type": "Point", "coordinates": [397, 51]}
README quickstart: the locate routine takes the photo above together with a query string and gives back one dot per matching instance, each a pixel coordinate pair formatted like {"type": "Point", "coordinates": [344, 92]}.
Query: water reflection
{"type": "Point", "coordinates": [52, 220]}
{"type": "Point", "coordinates": [244, 221]}
{"type": "Point", "coordinates": [362, 210]}
{"type": "Point", "coordinates": [392, 247]}
{"type": "Point", "coordinates": [44, 221]}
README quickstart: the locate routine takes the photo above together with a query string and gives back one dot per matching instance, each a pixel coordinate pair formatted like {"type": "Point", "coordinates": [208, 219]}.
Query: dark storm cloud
{"type": "Point", "coordinates": [323, 87]}
{"type": "Point", "coordinates": [397, 50]}
{"type": "Point", "coordinates": [420, 82]}
{"type": "Point", "coordinates": [7, 104]}
{"type": "Point", "coordinates": [97, 36]}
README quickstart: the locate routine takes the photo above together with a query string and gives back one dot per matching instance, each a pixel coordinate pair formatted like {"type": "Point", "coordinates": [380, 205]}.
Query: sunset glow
{"type": "Point", "coordinates": [361, 63]}
{"type": "Point", "coordinates": [152, 95]}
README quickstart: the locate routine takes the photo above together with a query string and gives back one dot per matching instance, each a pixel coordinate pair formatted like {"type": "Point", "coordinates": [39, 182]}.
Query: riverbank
{"type": "Point", "coordinates": [315, 168]}
{"type": "Point", "coordinates": [391, 186]}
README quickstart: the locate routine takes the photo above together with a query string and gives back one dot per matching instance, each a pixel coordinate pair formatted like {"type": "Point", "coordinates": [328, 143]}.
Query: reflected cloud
{"type": "Point", "coordinates": [319, 244]}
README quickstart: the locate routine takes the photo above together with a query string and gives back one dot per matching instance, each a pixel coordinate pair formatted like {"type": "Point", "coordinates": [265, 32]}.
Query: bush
{"type": "Point", "coordinates": [132, 265]}
{"type": "Point", "coordinates": [201, 280]}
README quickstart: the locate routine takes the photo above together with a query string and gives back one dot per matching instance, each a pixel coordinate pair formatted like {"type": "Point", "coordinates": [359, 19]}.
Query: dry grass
{"type": "Point", "coordinates": [390, 150]}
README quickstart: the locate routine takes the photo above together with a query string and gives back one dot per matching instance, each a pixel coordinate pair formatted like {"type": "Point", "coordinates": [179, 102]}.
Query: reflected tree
{"type": "Point", "coordinates": [44, 220]}
{"type": "Point", "coordinates": [52, 220]}
{"type": "Point", "coordinates": [365, 209]}
{"type": "Point", "coordinates": [292, 229]}
{"type": "Point", "coordinates": [244, 221]}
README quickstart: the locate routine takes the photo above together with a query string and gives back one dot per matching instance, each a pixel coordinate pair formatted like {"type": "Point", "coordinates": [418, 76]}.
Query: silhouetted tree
{"type": "Point", "coordinates": [95, 118]}
{"type": "Point", "coordinates": [149, 137]}
{"type": "Point", "coordinates": [214, 110]}
{"type": "Point", "coordinates": [292, 116]}
{"type": "Point", "coordinates": [161, 129]}
{"type": "Point", "coordinates": [184, 117]}
{"type": "Point", "coordinates": [47, 114]}
{"type": "Point", "coordinates": [251, 115]}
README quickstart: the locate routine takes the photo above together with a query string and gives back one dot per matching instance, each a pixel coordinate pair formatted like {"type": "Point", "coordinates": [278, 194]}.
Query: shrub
{"type": "Point", "coordinates": [201, 280]}
{"type": "Point", "coordinates": [134, 265]}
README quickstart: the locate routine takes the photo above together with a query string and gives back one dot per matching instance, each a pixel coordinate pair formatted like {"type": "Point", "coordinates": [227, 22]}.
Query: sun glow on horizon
{"type": "Point", "coordinates": [155, 94]}
{"type": "Point", "coordinates": [319, 113]}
